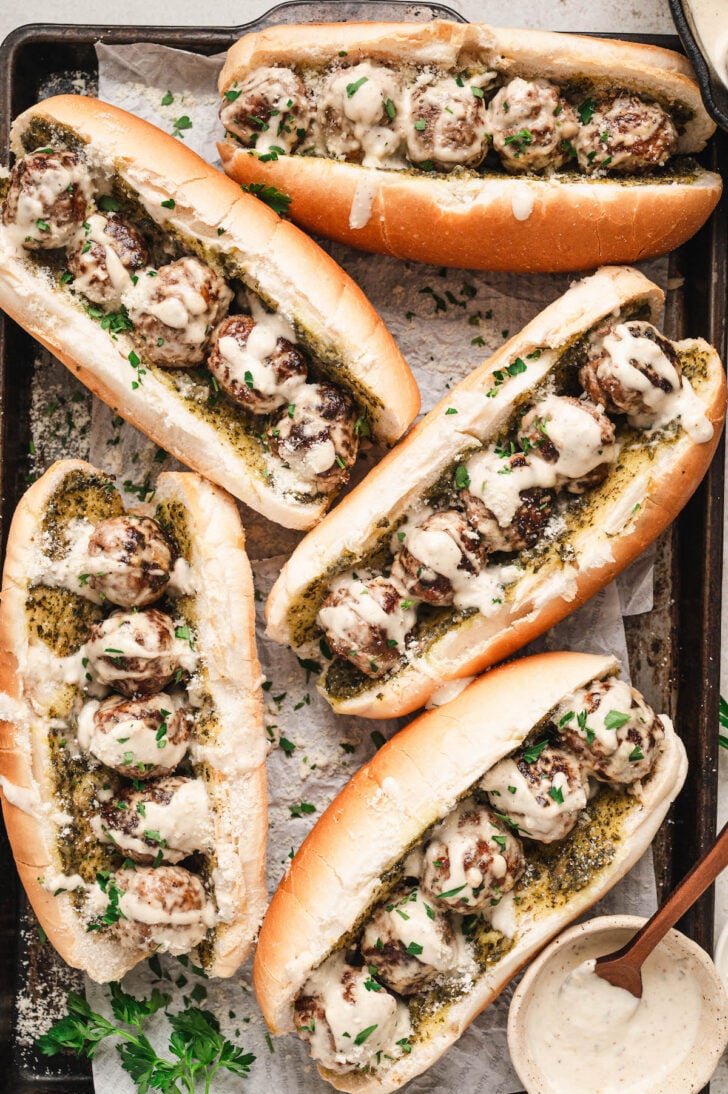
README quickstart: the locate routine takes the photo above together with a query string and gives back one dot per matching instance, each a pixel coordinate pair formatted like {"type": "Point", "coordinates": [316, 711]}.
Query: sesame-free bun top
{"type": "Point", "coordinates": [414, 780]}
{"type": "Point", "coordinates": [524, 223]}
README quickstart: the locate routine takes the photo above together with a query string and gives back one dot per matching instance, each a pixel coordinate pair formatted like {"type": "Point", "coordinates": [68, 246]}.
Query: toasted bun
{"type": "Point", "coordinates": [274, 257]}
{"type": "Point", "coordinates": [414, 780]}
{"type": "Point", "coordinates": [489, 222]}
{"type": "Point", "coordinates": [233, 766]}
{"type": "Point", "coordinates": [626, 520]}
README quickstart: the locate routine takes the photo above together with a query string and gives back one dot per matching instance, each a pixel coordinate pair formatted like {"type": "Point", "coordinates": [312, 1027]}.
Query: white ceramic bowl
{"type": "Point", "coordinates": [697, 1066]}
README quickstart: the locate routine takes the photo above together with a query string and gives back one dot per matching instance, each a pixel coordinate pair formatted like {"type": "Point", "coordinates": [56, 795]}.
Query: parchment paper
{"type": "Point", "coordinates": [446, 322]}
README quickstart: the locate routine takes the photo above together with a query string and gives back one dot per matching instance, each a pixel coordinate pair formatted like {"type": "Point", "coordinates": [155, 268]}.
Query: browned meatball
{"type": "Point", "coordinates": [164, 821]}
{"type": "Point", "coordinates": [316, 438]}
{"type": "Point", "coordinates": [256, 369]}
{"type": "Point", "coordinates": [268, 108]}
{"type": "Point", "coordinates": [135, 653]}
{"type": "Point", "coordinates": [347, 1019]}
{"type": "Point", "coordinates": [174, 310]}
{"type": "Point", "coordinates": [446, 124]}
{"type": "Point", "coordinates": [533, 508]}
{"type": "Point", "coordinates": [408, 942]}
{"type": "Point", "coordinates": [164, 908]}
{"type": "Point", "coordinates": [358, 114]}
{"type": "Point", "coordinates": [470, 859]}
{"type": "Point", "coordinates": [140, 738]}
{"type": "Point", "coordinates": [532, 125]}
{"type": "Point", "coordinates": [366, 621]}
{"type": "Point", "coordinates": [130, 559]}
{"type": "Point", "coordinates": [612, 730]}
{"type": "Point", "coordinates": [631, 368]}
{"type": "Point", "coordinates": [626, 134]}
{"type": "Point", "coordinates": [103, 258]}
{"type": "Point", "coordinates": [541, 789]}
{"type": "Point", "coordinates": [47, 199]}
{"type": "Point", "coordinates": [573, 435]}
{"type": "Point", "coordinates": [433, 552]}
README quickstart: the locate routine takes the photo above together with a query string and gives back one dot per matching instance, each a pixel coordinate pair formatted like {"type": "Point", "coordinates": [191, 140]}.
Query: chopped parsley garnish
{"type": "Point", "coordinates": [451, 892]}
{"type": "Point", "coordinates": [557, 794]}
{"type": "Point", "coordinates": [462, 477]}
{"type": "Point", "coordinates": [451, 410]}
{"type": "Point", "coordinates": [365, 1033]}
{"type": "Point", "coordinates": [181, 124]}
{"type": "Point", "coordinates": [586, 110]}
{"type": "Point", "coordinates": [167, 99]}
{"type": "Point", "coordinates": [108, 204]}
{"type": "Point", "coordinates": [302, 809]}
{"type": "Point", "coordinates": [270, 195]}
{"type": "Point", "coordinates": [532, 753]}
{"type": "Point", "coordinates": [615, 719]}
{"type": "Point", "coordinates": [414, 949]}
{"type": "Point", "coordinates": [636, 754]}
{"type": "Point", "coordinates": [170, 203]}
{"type": "Point", "coordinates": [351, 89]}
{"type": "Point", "coordinates": [390, 108]}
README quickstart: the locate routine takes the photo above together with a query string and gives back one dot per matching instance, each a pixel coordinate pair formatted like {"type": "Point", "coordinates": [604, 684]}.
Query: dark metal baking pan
{"type": "Point", "coordinates": [674, 649]}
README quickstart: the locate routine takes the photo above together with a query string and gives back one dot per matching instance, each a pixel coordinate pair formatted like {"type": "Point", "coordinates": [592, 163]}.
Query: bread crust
{"type": "Point", "coordinates": [412, 781]}
{"type": "Point", "coordinates": [278, 260]}
{"type": "Point", "coordinates": [235, 772]}
{"type": "Point", "coordinates": [627, 522]}
{"type": "Point", "coordinates": [527, 224]}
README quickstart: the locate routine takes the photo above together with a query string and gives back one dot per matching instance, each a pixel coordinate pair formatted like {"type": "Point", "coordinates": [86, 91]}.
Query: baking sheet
{"type": "Point", "coordinates": [436, 323]}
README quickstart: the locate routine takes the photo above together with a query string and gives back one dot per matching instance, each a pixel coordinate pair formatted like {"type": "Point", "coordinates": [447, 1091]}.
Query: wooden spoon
{"type": "Point", "coordinates": [623, 968]}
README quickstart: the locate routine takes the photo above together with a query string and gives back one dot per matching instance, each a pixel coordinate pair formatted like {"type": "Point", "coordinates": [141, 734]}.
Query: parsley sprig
{"type": "Point", "coordinates": [723, 719]}
{"type": "Point", "coordinates": [196, 1045]}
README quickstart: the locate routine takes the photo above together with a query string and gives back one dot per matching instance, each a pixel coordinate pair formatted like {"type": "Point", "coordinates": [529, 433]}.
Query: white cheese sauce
{"type": "Point", "coordinates": [358, 608]}
{"type": "Point", "coordinates": [622, 349]}
{"type": "Point", "coordinates": [358, 96]}
{"type": "Point", "coordinates": [583, 1034]}
{"type": "Point", "coordinates": [119, 276]}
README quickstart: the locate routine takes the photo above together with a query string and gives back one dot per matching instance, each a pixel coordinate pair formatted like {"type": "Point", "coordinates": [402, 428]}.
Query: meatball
{"type": "Point", "coordinates": [358, 114]}
{"type": "Point", "coordinates": [136, 653]}
{"type": "Point", "coordinates": [268, 108]}
{"type": "Point", "coordinates": [502, 503]}
{"type": "Point", "coordinates": [47, 199]}
{"type": "Point", "coordinates": [624, 133]}
{"type": "Point", "coordinates": [612, 730]}
{"type": "Point", "coordinates": [575, 436]}
{"type": "Point", "coordinates": [316, 437]}
{"type": "Point", "coordinates": [164, 821]}
{"type": "Point", "coordinates": [140, 738]}
{"type": "Point", "coordinates": [532, 126]}
{"type": "Point", "coordinates": [435, 556]}
{"type": "Point", "coordinates": [446, 124]}
{"type": "Point", "coordinates": [541, 790]}
{"type": "Point", "coordinates": [134, 558]}
{"type": "Point", "coordinates": [346, 1022]}
{"type": "Point", "coordinates": [164, 908]}
{"type": "Point", "coordinates": [254, 366]}
{"type": "Point", "coordinates": [366, 621]}
{"type": "Point", "coordinates": [631, 368]}
{"type": "Point", "coordinates": [407, 942]}
{"type": "Point", "coordinates": [174, 310]}
{"type": "Point", "coordinates": [103, 258]}
{"type": "Point", "coordinates": [470, 859]}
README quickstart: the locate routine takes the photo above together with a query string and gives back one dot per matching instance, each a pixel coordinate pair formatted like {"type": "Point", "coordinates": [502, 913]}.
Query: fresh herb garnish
{"type": "Point", "coordinates": [196, 1044]}
{"type": "Point", "coordinates": [531, 754]}
{"type": "Point", "coordinates": [276, 199]}
{"type": "Point", "coordinates": [615, 719]}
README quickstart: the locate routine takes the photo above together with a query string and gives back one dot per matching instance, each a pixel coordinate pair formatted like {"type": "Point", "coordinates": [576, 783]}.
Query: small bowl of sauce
{"type": "Point", "coordinates": [570, 1032]}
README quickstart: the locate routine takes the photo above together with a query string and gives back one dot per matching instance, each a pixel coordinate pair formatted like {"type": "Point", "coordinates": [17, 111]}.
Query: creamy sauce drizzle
{"type": "Point", "coordinates": [584, 1034]}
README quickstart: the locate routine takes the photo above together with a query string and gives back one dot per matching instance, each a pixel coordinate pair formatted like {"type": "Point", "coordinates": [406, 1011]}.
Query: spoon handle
{"type": "Point", "coordinates": [692, 886]}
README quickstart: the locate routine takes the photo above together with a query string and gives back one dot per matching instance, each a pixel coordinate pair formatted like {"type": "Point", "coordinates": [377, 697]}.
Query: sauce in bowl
{"type": "Point", "coordinates": [570, 1032]}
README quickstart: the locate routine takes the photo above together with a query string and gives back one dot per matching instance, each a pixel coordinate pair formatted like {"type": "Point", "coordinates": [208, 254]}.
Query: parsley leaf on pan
{"type": "Point", "coordinates": [196, 1045]}
{"type": "Point", "coordinates": [723, 719]}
